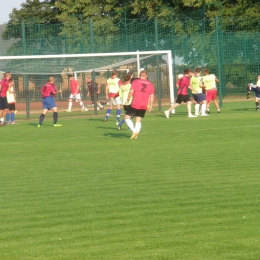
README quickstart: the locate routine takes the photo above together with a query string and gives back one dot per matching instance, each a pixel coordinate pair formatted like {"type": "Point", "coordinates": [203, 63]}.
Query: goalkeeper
{"type": "Point", "coordinates": [256, 89]}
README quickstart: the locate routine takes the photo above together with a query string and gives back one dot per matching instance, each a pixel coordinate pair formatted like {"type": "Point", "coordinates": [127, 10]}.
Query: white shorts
{"type": "Point", "coordinates": [77, 96]}
{"type": "Point", "coordinates": [115, 101]}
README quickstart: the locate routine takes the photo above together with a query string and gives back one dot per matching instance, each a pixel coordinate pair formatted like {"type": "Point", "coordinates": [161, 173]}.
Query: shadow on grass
{"type": "Point", "coordinates": [117, 135]}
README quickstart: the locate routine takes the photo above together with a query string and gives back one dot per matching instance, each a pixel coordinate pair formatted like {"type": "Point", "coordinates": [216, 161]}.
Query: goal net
{"type": "Point", "coordinates": [31, 72]}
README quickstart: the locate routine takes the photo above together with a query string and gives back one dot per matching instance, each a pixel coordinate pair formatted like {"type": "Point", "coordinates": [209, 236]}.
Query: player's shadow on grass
{"type": "Point", "coordinates": [243, 109]}
{"type": "Point", "coordinates": [95, 119]}
{"type": "Point", "coordinates": [117, 135]}
{"type": "Point", "coordinates": [179, 114]}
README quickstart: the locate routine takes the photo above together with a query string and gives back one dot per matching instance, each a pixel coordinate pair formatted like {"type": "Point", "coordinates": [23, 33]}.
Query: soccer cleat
{"type": "Point", "coordinates": [105, 120]}
{"type": "Point", "coordinates": [197, 114]}
{"type": "Point", "coordinates": [257, 109]}
{"type": "Point", "coordinates": [191, 115]}
{"type": "Point", "coordinates": [167, 113]}
{"type": "Point", "coordinates": [100, 108]}
{"type": "Point", "coordinates": [207, 112]}
{"type": "Point", "coordinates": [84, 109]}
{"type": "Point", "coordinates": [119, 127]}
{"type": "Point", "coordinates": [68, 110]}
{"type": "Point", "coordinates": [3, 124]}
{"type": "Point", "coordinates": [57, 125]}
{"type": "Point", "coordinates": [13, 123]}
{"type": "Point", "coordinates": [218, 112]}
{"type": "Point", "coordinates": [134, 136]}
{"type": "Point", "coordinates": [39, 125]}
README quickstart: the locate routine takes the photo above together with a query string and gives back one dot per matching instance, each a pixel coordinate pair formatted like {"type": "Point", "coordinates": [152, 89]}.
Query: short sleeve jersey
{"type": "Point", "coordinates": [73, 87]}
{"type": "Point", "coordinates": [184, 83]}
{"type": "Point", "coordinates": [195, 84]}
{"type": "Point", "coordinates": [113, 85]}
{"type": "Point", "coordinates": [10, 96]}
{"type": "Point", "coordinates": [48, 90]}
{"type": "Point", "coordinates": [209, 81]}
{"type": "Point", "coordinates": [4, 87]}
{"type": "Point", "coordinates": [124, 91]}
{"type": "Point", "coordinates": [142, 90]}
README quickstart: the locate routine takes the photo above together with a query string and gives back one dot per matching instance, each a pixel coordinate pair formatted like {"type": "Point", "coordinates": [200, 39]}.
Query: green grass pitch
{"type": "Point", "coordinates": [187, 188]}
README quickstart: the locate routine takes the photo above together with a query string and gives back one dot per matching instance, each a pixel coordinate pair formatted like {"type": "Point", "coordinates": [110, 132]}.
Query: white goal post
{"type": "Point", "coordinates": [55, 64]}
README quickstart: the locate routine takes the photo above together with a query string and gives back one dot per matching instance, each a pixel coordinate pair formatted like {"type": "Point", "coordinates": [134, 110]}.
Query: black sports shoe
{"type": "Point", "coordinates": [257, 109]}
{"type": "Point", "coordinates": [248, 95]}
{"type": "Point", "coordinates": [218, 111]}
{"type": "Point", "coordinates": [2, 124]}
{"type": "Point", "coordinates": [105, 120]}
{"type": "Point", "coordinates": [207, 112]}
{"type": "Point", "coordinates": [119, 127]}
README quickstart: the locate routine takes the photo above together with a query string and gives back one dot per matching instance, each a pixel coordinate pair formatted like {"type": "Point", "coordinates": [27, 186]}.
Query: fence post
{"type": "Point", "coordinates": [91, 35]}
{"type": "Point", "coordinates": [25, 78]}
{"type": "Point", "coordinates": [159, 89]}
{"type": "Point", "coordinates": [219, 60]}
{"type": "Point", "coordinates": [94, 88]}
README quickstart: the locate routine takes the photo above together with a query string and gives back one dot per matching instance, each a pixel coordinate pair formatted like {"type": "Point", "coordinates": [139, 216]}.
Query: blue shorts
{"type": "Point", "coordinates": [257, 92]}
{"type": "Point", "coordinates": [48, 103]}
{"type": "Point", "coordinates": [199, 97]}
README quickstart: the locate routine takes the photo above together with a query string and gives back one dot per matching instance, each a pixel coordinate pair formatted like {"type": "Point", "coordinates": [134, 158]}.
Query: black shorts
{"type": "Point", "coordinates": [126, 107]}
{"type": "Point", "coordinates": [182, 98]}
{"type": "Point", "coordinates": [11, 106]}
{"type": "Point", "coordinates": [135, 112]}
{"type": "Point", "coordinates": [3, 103]}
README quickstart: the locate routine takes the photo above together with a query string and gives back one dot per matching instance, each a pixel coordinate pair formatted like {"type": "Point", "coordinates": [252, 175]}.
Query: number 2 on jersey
{"type": "Point", "coordinates": [143, 87]}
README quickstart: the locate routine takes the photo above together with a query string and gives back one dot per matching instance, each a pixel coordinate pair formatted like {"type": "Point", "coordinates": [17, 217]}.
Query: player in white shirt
{"type": "Point", "coordinates": [256, 89]}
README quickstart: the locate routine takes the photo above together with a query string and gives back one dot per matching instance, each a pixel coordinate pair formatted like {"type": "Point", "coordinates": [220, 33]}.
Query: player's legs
{"type": "Point", "coordinates": [130, 123]}
{"type": "Point", "coordinates": [70, 103]}
{"type": "Point", "coordinates": [167, 112]}
{"type": "Point", "coordinates": [216, 105]}
{"type": "Point", "coordinates": [78, 97]}
{"type": "Point", "coordinates": [8, 117]}
{"type": "Point", "coordinates": [42, 116]}
{"type": "Point", "coordinates": [108, 112]}
{"type": "Point", "coordinates": [118, 110]}
{"type": "Point", "coordinates": [55, 116]}
{"type": "Point", "coordinates": [189, 109]}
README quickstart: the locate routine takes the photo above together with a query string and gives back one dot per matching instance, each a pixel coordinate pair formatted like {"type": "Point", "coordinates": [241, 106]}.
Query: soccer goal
{"type": "Point", "coordinates": [31, 72]}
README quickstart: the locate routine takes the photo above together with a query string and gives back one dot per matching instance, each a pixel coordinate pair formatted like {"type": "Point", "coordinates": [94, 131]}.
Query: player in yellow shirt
{"type": "Point", "coordinates": [112, 93]}
{"type": "Point", "coordinates": [256, 89]}
{"type": "Point", "coordinates": [198, 95]}
{"type": "Point", "coordinates": [209, 82]}
{"type": "Point", "coordinates": [123, 93]}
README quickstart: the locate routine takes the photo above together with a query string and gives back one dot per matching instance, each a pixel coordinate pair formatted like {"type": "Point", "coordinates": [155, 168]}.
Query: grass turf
{"type": "Point", "coordinates": [187, 188]}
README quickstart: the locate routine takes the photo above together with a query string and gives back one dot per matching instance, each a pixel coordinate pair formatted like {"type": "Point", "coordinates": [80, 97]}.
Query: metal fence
{"type": "Point", "coordinates": [228, 47]}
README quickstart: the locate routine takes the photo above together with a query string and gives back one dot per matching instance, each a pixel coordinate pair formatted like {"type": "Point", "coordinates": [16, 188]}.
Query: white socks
{"type": "Point", "coordinates": [70, 105]}
{"type": "Point", "coordinates": [138, 127]}
{"type": "Point", "coordinates": [197, 109]}
{"type": "Point", "coordinates": [81, 104]}
{"type": "Point", "coordinates": [130, 124]}
{"type": "Point", "coordinates": [203, 109]}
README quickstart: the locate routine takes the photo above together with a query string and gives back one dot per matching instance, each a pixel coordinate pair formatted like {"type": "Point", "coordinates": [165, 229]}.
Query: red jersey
{"type": "Point", "coordinates": [4, 85]}
{"type": "Point", "coordinates": [142, 90]}
{"type": "Point", "coordinates": [183, 83]}
{"type": "Point", "coordinates": [48, 90]}
{"type": "Point", "coordinates": [73, 87]}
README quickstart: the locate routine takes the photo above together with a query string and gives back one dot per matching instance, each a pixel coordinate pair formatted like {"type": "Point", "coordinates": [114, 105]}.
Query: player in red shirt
{"type": "Point", "coordinates": [183, 96]}
{"type": "Point", "coordinates": [142, 92]}
{"type": "Point", "coordinates": [75, 94]}
{"type": "Point", "coordinates": [4, 107]}
{"type": "Point", "coordinates": [49, 90]}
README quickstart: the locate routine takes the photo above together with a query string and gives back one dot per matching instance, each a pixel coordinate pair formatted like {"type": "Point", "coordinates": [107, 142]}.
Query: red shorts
{"type": "Point", "coordinates": [211, 94]}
